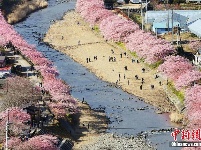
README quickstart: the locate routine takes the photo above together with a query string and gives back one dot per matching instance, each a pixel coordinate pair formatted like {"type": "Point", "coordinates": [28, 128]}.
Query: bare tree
{"type": "Point", "coordinates": [19, 92]}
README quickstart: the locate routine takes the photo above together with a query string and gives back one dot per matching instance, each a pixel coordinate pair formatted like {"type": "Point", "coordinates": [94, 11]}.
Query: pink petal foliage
{"type": "Point", "coordinates": [59, 109]}
{"type": "Point", "coordinates": [14, 141]}
{"type": "Point", "coordinates": [117, 28]}
{"type": "Point", "coordinates": [82, 5]}
{"type": "Point", "coordinates": [92, 11]}
{"type": "Point", "coordinates": [193, 94]}
{"type": "Point", "coordinates": [47, 71]}
{"type": "Point", "coordinates": [175, 66]}
{"type": "Point", "coordinates": [148, 46]}
{"type": "Point", "coordinates": [17, 117]}
{"type": "Point", "coordinates": [59, 92]}
{"type": "Point", "coordinates": [112, 26]}
{"type": "Point", "coordinates": [51, 84]}
{"type": "Point", "coordinates": [19, 92]}
{"type": "Point", "coordinates": [187, 79]}
{"type": "Point", "coordinates": [41, 142]}
{"type": "Point", "coordinates": [193, 105]}
{"type": "Point", "coordinates": [195, 45]}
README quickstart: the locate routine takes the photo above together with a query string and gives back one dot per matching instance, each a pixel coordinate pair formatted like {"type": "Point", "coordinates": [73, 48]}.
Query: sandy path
{"type": "Point", "coordinates": [64, 36]}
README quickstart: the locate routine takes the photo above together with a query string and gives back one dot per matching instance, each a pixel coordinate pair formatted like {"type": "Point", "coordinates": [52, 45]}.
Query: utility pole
{"type": "Point", "coordinates": [168, 22]}
{"type": "Point", "coordinates": [142, 17]}
{"type": "Point", "coordinates": [146, 5]}
{"type": "Point", "coordinates": [156, 33]}
{"type": "Point", "coordinates": [141, 8]}
{"type": "Point", "coordinates": [172, 28]}
{"type": "Point", "coordinates": [142, 22]}
{"type": "Point", "coordinates": [128, 12]}
{"type": "Point", "coordinates": [178, 36]}
{"type": "Point", "coordinates": [7, 130]}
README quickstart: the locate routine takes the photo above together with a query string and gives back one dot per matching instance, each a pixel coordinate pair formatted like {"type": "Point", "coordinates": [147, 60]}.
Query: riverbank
{"type": "Point", "coordinates": [88, 124]}
{"type": "Point", "coordinates": [21, 11]}
{"type": "Point", "coordinates": [91, 135]}
{"type": "Point", "coordinates": [74, 37]}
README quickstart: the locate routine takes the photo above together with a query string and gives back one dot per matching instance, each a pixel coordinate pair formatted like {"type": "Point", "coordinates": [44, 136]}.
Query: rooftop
{"type": "Point", "coordinates": [195, 28]}
{"type": "Point", "coordinates": [2, 59]}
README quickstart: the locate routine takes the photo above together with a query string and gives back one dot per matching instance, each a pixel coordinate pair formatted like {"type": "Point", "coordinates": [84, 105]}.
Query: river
{"type": "Point", "coordinates": [128, 115]}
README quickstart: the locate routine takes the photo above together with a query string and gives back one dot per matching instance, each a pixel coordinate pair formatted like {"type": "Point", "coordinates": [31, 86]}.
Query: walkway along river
{"type": "Point", "coordinates": [128, 115]}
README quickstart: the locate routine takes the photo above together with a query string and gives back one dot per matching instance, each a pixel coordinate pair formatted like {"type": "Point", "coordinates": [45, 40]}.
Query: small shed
{"type": "Point", "coordinates": [197, 60]}
{"type": "Point", "coordinates": [2, 61]}
{"type": "Point", "coordinates": [163, 26]}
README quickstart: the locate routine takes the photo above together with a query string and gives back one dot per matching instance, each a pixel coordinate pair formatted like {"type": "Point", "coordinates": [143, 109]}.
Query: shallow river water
{"type": "Point", "coordinates": [128, 115]}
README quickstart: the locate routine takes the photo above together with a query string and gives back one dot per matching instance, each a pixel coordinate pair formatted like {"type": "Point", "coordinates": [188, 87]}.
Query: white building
{"type": "Point", "coordinates": [5, 70]}
{"type": "Point", "coordinates": [197, 60]}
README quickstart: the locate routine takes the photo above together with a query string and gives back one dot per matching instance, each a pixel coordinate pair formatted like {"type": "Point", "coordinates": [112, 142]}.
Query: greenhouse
{"type": "Point", "coordinates": [195, 28]}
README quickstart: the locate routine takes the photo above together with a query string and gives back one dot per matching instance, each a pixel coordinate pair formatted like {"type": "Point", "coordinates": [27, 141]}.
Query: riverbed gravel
{"type": "Point", "coordinates": [114, 142]}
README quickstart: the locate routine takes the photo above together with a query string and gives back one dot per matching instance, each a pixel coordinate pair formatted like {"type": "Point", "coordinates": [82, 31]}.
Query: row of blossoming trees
{"type": "Point", "coordinates": [56, 87]}
{"type": "Point", "coordinates": [18, 117]}
{"type": "Point", "coordinates": [176, 68]}
{"type": "Point", "coordinates": [62, 102]}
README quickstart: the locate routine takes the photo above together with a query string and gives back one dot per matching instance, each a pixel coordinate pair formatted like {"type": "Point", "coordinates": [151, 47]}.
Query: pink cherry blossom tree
{"type": "Point", "coordinates": [148, 46]}
{"type": "Point", "coordinates": [17, 117]}
{"type": "Point", "coordinates": [19, 92]}
{"type": "Point", "coordinates": [13, 142]}
{"type": "Point", "coordinates": [175, 66]}
{"type": "Point", "coordinates": [41, 142]}
{"type": "Point", "coordinates": [187, 79]}
{"type": "Point", "coordinates": [195, 45]}
{"type": "Point", "coordinates": [54, 86]}
{"type": "Point", "coordinates": [117, 28]}
{"type": "Point", "coordinates": [193, 106]}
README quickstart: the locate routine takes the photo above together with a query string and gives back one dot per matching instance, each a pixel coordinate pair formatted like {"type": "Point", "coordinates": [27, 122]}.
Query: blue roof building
{"type": "Point", "coordinates": [163, 26]}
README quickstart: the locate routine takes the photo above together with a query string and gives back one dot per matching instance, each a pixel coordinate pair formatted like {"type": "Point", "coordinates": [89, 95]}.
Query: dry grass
{"type": "Point", "coordinates": [185, 38]}
{"type": "Point", "coordinates": [176, 117]}
{"type": "Point", "coordinates": [21, 11]}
